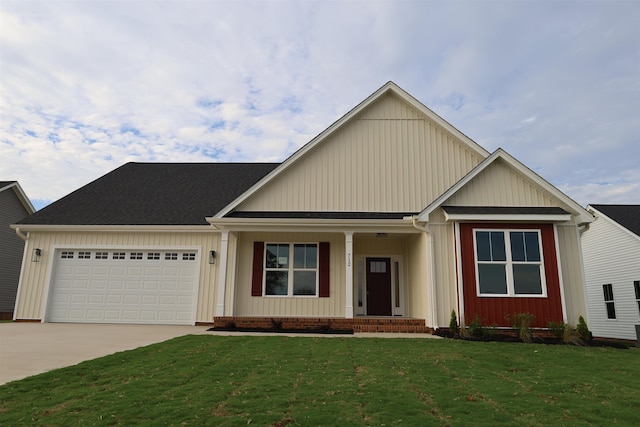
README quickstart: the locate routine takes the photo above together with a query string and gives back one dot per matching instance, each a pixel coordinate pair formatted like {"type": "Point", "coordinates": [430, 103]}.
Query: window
{"type": "Point", "coordinates": [153, 255]}
{"type": "Point", "coordinates": [84, 255]}
{"type": "Point", "coordinates": [509, 263]}
{"type": "Point", "coordinates": [291, 270]}
{"type": "Point", "coordinates": [188, 256]}
{"type": "Point", "coordinates": [118, 255]}
{"type": "Point", "coordinates": [636, 287]}
{"type": "Point", "coordinates": [102, 255]}
{"type": "Point", "coordinates": [66, 255]}
{"type": "Point", "coordinates": [135, 255]}
{"type": "Point", "coordinates": [171, 256]}
{"type": "Point", "coordinates": [608, 300]}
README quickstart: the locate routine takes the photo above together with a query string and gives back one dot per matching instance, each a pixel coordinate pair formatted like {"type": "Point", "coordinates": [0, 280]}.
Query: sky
{"type": "Point", "coordinates": [86, 86]}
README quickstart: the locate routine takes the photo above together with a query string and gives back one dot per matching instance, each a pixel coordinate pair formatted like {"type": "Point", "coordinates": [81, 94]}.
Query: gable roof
{"type": "Point", "coordinates": [153, 194]}
{"type": "Point", "coordinates": [388, 88]}
{"type": "Point", "coordinates": [15, 185]}
{"type": "Point", "coordinates": [627, 216]}
{"type": "Point", "coordinates": [583, 215]}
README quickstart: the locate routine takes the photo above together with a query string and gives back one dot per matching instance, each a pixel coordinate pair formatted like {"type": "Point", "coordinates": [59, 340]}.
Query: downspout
{"type": "Point", "coordinates": [431, 291]}
{"type": "Point", "coordinates": [20, 235]}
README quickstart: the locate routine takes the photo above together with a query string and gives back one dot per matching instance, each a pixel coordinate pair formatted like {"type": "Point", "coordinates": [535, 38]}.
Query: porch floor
{"type": "Point", "coordinates": [357, 324]}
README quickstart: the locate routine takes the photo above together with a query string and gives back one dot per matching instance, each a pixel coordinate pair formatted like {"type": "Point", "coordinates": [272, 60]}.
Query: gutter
{"type": "Point", "coordinates": [21, 235]}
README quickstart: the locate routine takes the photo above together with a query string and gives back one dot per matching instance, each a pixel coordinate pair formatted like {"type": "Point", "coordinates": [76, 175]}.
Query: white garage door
{"type": "Point", "coordinates": [124, 286]}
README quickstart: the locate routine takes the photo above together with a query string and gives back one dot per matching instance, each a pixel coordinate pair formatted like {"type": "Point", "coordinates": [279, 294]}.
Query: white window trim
{"type": "Point", "coordinates": [509, 263]}
{"type": "Point", "coordinates": [290, 270]}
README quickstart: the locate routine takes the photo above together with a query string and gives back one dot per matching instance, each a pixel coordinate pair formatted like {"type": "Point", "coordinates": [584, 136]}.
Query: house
{"type": "Point", "coordinates": [611, 252]}
{"type": "Point", "coordinates": [14, 205]}
{"type": "Point", "coordinates": [387, 220]}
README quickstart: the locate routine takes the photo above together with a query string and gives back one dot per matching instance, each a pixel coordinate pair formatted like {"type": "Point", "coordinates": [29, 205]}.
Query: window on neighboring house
{"type": "Point", "coordinates": [608, 301]}
{"type": "Point", "coordinates": [636, 287]}
{"type": "Point", "coordinates": [291, 269]}
{"type": "Point", "coordinates": [509, 263]}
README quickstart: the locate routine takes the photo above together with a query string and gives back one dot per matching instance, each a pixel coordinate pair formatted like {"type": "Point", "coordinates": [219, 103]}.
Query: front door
{"type": "Point", "coordinates": [379, 286]}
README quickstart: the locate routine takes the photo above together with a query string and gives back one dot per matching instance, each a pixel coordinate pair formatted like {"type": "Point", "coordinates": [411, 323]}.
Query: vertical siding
{"type": "Point", "coordinates": [417, 297]}
{"type": "Point", "coordinates": [611, 255]}
{"type": "Point", "coordinates": [572, 273]}
{"type": "Point", "coordinates": [246, 305]}
{"type": "Point", "coordinates": [388, 158]}
{"type": "Point", "coordinates": [445, 272]}
{"type": "Point", "coordinates": [11, 249]}
{"type": "Point", "coordinates": [36, 275]}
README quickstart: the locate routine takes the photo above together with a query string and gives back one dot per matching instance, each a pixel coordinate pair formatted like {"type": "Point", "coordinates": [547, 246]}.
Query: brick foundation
{"type": "Point", "coordinates": [358, 324]}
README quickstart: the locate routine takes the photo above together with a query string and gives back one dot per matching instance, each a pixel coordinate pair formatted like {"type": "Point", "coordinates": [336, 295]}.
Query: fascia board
{"type": "Point", "coordinates": [508, 217]}
{"type": "Point", "coordinates": [111, 228]}
{"type": "Point", "coordinates": [583, 215]}
{"type": "Point", "coordinates": [388, 87]}
{"type": "Point", "coordinates": [600, 215]}
{"type": "Point", "coordinates": [304, 224]}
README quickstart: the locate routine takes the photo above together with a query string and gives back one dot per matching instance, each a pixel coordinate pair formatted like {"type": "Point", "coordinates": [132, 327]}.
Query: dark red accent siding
{"type": "Point", "coordinates": [256, 279]}
{"type": "Point", "coordinates": [496, 310]}
{"type": "Point", "coordinates": [324, 268]}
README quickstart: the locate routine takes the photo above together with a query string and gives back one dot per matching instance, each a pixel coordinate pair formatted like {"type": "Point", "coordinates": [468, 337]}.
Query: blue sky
{"type": "Point", "coordinates": [86, 86]}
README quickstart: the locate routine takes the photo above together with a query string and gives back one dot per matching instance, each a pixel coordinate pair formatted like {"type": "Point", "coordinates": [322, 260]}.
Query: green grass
{"type": "Point", "coordinates": [262, 381]}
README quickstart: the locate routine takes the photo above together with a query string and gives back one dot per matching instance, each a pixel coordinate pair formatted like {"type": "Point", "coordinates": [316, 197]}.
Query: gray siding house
{"type": "Point", "coordinates": [14, 206]}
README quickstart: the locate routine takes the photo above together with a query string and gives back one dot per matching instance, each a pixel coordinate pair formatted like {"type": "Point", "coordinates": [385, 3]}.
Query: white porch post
{"type": "Point", "coordinates": [222, 272]}
{"type": "Point", "coordinates": [348, 249]}
{"type": "Point", "coordinates": [432, 321]}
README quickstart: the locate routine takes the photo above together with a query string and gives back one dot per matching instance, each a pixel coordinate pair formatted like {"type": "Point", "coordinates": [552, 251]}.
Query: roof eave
{"type": "Point", "coordinates": [312, 224]}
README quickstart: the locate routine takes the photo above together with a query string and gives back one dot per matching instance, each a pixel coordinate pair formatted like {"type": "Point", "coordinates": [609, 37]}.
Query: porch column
{"type": "Point", "coordinates": [222, 272]}
{"type": "Point", "coordinates": [432, 318]}
{"type": "Point", "coordinates": [348, 249]}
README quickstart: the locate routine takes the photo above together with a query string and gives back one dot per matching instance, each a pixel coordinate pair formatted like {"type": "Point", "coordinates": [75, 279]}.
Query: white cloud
{"type": "Point", "coordinates": [87, 86]}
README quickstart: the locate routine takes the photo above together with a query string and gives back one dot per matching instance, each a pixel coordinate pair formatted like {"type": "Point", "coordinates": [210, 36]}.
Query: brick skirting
{"type": "Point", "coordinates": [358, 324]}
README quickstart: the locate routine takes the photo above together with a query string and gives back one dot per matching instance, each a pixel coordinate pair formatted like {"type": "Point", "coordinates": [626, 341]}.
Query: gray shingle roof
{"type": "Point", "coordinates": [154, 194]}
{"type": "Point", "coordinates": [627, 216]}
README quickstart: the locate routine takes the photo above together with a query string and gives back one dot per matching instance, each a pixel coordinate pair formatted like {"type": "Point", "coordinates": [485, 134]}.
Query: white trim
{"type": "Point", "coordinates": [508, 217]}
{"type": "Point", "coordinates": [222, 273]}
{"type": "Point", "coordinates": [291, 269]}
{"type": "Point", "coordinates": [389, 87]}
{"type": "Point", "coordinates": [613, 222]}
{"type": "Point", "coordinates": [459, 277]}
{"type": "Point", "coordinates": [560, 279]}
{"type": "Point", "coordinates": [582, 214]}
{"type": "Point", "coordinates": [349, 261]}
{"type": "Point", "coordinates": [312, 225]}
{"type": "Point", "coordinates": [114, 228]}
{"type": "Point", "coordinates": [432, 318]}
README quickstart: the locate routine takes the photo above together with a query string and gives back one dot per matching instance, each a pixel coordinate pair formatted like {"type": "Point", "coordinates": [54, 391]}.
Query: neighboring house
{"type": "Point", "coordinates": [611, 253]}
{"type": "Point", "coordinates": [14, 205]}
{"type": "Point", "coordinates": [390, 213]}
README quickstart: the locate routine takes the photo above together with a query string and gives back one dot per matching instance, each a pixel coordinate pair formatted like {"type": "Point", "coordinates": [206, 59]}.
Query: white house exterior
{"type": "Point", "coordinates": [611, 253]}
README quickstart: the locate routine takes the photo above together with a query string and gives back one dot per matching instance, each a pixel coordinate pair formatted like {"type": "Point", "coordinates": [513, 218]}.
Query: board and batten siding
{"type": "Point", "coordinates": [389, 158]}
{"type": "Point", "coordinates": [247, 305]}
{"type": "Point", "coordinates": [33, 286]}
{"type": "Point", "coordinates": [11, 249]}
{"type": "Point", "coordinates": [611, 255]}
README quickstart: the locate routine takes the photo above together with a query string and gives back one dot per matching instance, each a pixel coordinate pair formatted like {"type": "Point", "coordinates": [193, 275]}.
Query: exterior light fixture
{"type": "Point", "coordinates": [381, 235]}
{"type": "Point", "coordinates": [35, 257]}
{"type": "Point", "coordinates": [212, 257]}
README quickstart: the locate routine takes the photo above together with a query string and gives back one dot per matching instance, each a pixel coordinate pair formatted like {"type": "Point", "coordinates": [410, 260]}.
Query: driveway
{"type": "Point", "coordinates": [32, 348]}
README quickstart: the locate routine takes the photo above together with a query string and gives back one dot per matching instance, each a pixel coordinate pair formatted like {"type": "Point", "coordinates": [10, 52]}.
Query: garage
{"type": "Point", "coordinates": [124, 286]}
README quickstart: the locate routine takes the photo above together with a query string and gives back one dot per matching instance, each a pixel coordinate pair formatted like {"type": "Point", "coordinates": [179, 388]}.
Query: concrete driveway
{"type": "Point", "coordinates": [32, 348]}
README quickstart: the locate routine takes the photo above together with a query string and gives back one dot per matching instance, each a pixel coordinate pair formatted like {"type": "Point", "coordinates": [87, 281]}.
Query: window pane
{"type": "Point", "coordinates": [517, 246]}
{"type": "Point", "coordinates": [304, 283]}
{"type": "Point", "coordinates": [526, 279]}
{"type": "Point", "coordinates": [304, 256]}
{"type": "Point", "coordinates": [608, 292]}
{"type": "Point", "coordinates": [277, 282]}
{"type": "Point", "coordinates": [636, 286]}
{"type": "Point", "coordinates": [482, 246]}
{"type": "Point", "coordinates": [611, 310]}
{"type": "Point", "coordinates": [277, 256]}
{"type": "Point", "coordinates": [492, 279]}
{"type": "Point", "coordinates": [497, 246]}
{"type": "Point", "coordinates": [532, 246]}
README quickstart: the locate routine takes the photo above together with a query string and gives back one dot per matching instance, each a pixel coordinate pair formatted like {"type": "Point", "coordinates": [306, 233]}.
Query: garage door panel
{"type": "Point", "coordinates": [123, 287]}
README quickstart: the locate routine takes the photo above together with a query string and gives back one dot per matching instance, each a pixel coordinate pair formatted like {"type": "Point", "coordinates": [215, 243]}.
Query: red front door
{"type": "Point", "coordinates": [379, 286]}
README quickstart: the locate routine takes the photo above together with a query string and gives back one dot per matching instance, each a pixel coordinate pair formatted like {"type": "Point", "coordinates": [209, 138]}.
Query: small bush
{"type": "Point", "coordinates": [453, 323]}
{"type": "Point", "coordinates": [522, 325]}
{"type": "Point", "coordinates": [475, 327]}
{"type": "Point", "coordinates": [583, 329]}
{"type": "Point", "coordinates": [567, 333]}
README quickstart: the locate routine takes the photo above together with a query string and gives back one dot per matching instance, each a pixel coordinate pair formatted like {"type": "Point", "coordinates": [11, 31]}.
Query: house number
{"type": "Point", "coordinates": [349, 260]}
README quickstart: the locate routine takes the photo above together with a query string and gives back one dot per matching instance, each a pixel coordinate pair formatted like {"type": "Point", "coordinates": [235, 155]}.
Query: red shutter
{"type": "Point", "coordinates": [258, 257]}
{"type": "Point", "coordinates": [324, 269]}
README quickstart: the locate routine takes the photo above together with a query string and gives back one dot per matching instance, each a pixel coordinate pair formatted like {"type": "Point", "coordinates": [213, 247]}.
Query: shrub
{"type": "Point", "coordinates": [475, 327]}
{"type": "Point", "coordinates": [583, 329]}
{"type": "Point", "coordinates": [557, 328]}
{"type": "Point", "coordinates": [522, 325]}
{"type": "Point", "coordinates": [567, 333]}
{"type": "Point", "coordinates": [453, 323]}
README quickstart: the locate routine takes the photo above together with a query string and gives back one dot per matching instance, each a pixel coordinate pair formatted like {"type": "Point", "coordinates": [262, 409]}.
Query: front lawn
{"type": "Point", "coordinates": [262, 381]}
